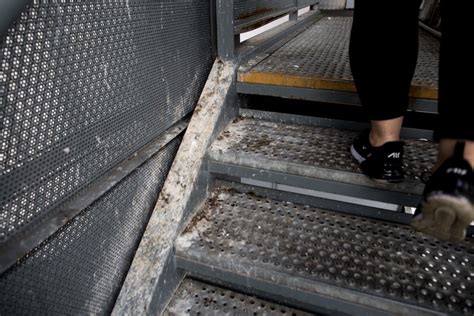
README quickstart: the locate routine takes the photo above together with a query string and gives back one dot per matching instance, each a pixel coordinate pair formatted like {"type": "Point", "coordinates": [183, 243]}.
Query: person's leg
{"type": "Point", "coordinates": [385, 131]}
{"type": "Point", "coordinates": [446, 150]}
{"type": "Point", "coordinates": [448, 202]}
{"type": "Point", "coordinates": [456, 109]}
{"type": "Point", "coordinates": [383, 54]}
{"type": "Point", "coordinates": [383, 67]}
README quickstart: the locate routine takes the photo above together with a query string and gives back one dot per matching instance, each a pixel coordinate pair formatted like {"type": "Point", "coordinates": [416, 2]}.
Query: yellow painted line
{"type": "Point", "coordinates": [279, 79]}
{"type": "Point", "coordinates": [422, 92]}
{"type": "Point", "coordinates": [295, 81]}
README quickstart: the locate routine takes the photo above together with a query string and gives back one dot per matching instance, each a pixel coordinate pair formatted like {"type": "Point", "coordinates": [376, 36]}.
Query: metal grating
{"type": "Point", "coordinates": [278, 241]}
{"type": "Point", "coordinates": [311, 146]}
{"type": "Point", "coordinates": [83, 86]}
{"type": "Point", "coordinates": [80, 269]}
{"type": "Point", "coordinates": [197, 298]}
{"type": "Point", "coordinates": [322, 51]}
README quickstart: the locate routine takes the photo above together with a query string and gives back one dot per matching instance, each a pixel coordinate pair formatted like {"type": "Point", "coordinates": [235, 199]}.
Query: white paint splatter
{"type": "Point", "coordinates": [128, 9]}
{"type": "Point", "coordinates": [106, 74]}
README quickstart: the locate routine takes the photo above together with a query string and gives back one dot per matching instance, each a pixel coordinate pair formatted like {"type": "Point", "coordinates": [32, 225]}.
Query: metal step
{"type": "Point", "coordinates": [315, 66]}
{"type": "Point", "coordinates": [323, 261]}
{"type": "Point", "coordinates": [313, 156]}
{"type": "Point", "coordinates": [197, 298]}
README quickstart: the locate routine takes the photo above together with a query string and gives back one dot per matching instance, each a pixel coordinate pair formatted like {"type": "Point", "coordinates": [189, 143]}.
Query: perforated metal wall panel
{"type": "Point", "coordinates": [83, 86]}
{"type": "Point", "coordinates": [245, 9]}
{"type": "Point", "coordinates": [80, 269]}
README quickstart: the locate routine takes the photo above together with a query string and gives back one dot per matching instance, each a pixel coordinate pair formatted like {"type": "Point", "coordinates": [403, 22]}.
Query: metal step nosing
{"type": "Point", "coordinates": [319, 202]}
{"type": "Point", "coordinates": [320, 95]}
{"type": "Point", "coordinates": [324, 185]}
{"type": "Point", "coordinates": [277, 117]}
{"type": "Point", "coordinates": [290, 290]}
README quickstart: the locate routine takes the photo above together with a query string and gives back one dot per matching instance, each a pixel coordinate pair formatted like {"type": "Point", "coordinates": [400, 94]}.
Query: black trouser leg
{"type": "Point", "coordinates": [383, 54]}
{"type": "Point", "coordinates": [456, 99]}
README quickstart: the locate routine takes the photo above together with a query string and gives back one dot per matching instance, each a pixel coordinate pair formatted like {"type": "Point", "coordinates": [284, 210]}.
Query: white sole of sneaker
{"type": "Point", "coordinates": [445, 217]}
{"type": "Point", "coordinates": [356, 155]}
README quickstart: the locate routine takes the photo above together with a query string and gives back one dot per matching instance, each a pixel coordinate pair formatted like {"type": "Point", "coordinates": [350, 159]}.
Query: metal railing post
{"type": "Point", "coordinates": [225, 29]}
{"type": "Point", "coordinates": [294, 14]}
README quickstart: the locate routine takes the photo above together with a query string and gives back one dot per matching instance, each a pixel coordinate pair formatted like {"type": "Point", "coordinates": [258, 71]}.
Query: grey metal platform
{"type": "Point", "coordinates": [319, 259]}
{"type": "Point", "coordinates": [313, 157]}
{"type": "Point", "coordinates": [316, 62]}
{"type": "Point", "coordinates": [197, 298]}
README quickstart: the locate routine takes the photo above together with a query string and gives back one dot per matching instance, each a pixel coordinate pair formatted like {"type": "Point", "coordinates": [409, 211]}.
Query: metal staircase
{"type": "Point", "coordinates": [291, 226]}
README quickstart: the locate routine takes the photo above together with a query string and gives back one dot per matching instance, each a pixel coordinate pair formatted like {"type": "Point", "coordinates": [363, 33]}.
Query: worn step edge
{"type": "Point", "coordinates": [407, 193]}
{"type": "Point", "coordinates": [287, 289]}
{"type": "Point", "coordinates": [196, 297]}
{"type": "Point", "coordinates": [276, 285]}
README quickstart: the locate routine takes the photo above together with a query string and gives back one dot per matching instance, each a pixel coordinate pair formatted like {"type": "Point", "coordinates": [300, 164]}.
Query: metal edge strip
{"type": "Point", "coordinates": [322, 185]}
{"type": "Point", "coordinates": [321, 95]}
{"type": "Point", "coordinates": [407, 132]}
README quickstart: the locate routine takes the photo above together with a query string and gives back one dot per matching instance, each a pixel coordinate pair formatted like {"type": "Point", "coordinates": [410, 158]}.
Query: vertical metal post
{"type": "Point", "coordinates": [225, 29]}
{"type": "Point", "coordinates": [294, 14]}
{"type": "Point", "coordinates": [314, 6]}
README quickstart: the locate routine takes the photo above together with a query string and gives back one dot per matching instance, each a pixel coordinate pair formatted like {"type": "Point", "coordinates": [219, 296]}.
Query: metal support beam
{"type": "Point", "coordinates": [294, 14]}
{"type": "Point", "coordinates": [225, 29]}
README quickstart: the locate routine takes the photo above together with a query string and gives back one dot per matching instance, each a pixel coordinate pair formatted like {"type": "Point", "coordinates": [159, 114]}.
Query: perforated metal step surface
{"type": "Point", "coordinates": [319, 58]}
{"type": "Point", "coordinates": [311, 250]}
{"type": "Point", "coordinates": [198, 298]}
{"type": "Point", "coordinates": [311, 151]}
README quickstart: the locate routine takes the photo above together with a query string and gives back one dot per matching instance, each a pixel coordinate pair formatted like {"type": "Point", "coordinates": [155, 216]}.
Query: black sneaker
{"type": "Point", "coordinates": [384, 163]}
{"type": "Point", "coordinates": [448, 200]}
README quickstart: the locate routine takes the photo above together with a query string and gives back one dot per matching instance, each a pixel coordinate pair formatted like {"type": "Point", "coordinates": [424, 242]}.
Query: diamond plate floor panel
{"type": "Point", "coordinates": [350, 259]}
{"type": "Point", "coordinates": [318, 58]}
{"type": "Point", "coordinates": [312, 151]}
{"type": "Point", "coordinates": [198, 298]}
